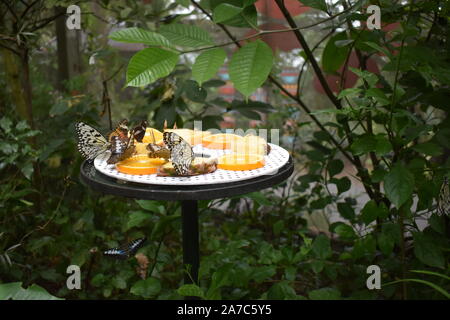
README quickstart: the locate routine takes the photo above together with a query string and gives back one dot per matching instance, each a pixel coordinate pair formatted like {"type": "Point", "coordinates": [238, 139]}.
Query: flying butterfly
{"type": "Point", "coordinates": [181, 152]}
{"type": "Point", "coordinates": [444, 198]}
{"type": "Point", "coordinates": [91, 143]}
{"type": "Point", "coordinates": [127, 250]}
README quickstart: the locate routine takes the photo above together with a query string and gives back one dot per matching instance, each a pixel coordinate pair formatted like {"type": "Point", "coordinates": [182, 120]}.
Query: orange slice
{"type": "Point", "coordinates": [250, 145]}
{"type": "Point", "coordinates": [139, 164]}
{"type": "Point", "coordinates": [220, 140]}
{"type": "Point", "coordinates": [150, 134]}
{"type": "Point", "coordinates": [241, 162]}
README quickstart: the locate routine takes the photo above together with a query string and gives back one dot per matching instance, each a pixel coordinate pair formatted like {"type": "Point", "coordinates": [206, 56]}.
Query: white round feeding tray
{"type": "Point", "coordinates": [277, 158]}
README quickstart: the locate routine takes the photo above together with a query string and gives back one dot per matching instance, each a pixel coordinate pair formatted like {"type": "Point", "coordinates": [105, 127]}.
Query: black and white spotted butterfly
{"type": "Point", "coordinates": [181, 152]}
{"type": "Point", "coordinates": [91, 143]}
{"type": "Point", "coordinates": [127, 250]}
{"type": "Point", "coordinates": [444, 198]}
{"type": "Point", "coordinates": [120, 141]}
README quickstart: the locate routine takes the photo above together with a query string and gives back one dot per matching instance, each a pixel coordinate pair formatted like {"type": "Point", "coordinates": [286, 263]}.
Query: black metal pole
{"type": "Point", "coordinates": [189, 217]}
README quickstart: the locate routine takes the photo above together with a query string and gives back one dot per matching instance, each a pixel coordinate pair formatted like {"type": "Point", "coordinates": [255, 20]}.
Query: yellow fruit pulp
{"type": "Point", "coordinates": [241, 162]}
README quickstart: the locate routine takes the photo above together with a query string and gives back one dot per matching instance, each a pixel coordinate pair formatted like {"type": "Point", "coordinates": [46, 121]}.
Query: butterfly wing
{"type": "Point", "coordinates": [180, 152]}
{"type": "Point", "coordinates": [91, 143]}
{"type": "Point", "coordinates": [138, 132]}
{"type": "Point", "coordinates": [118, 149]}
{"type": "Point", "coordinates": [127, 250]}
{"type": "Point", "coordinates": [444, 198]}
{"type": "Point", "coordinates": [121, 131]}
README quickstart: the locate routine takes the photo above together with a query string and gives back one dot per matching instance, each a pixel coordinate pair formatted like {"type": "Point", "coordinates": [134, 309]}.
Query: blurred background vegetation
{"type": "Point", "coordinates": [363, 112]}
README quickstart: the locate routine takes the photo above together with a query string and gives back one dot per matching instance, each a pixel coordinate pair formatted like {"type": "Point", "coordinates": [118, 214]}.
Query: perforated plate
{"type": "Point", "coordinates": [277, 158]}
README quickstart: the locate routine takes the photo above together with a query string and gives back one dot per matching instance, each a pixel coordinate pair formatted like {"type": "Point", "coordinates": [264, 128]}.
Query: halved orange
{"type": "Point", "coordinates": [152, 135]}
{"type": "Point", "coordinates": [250, 145]}
{"type": "Point", "coordinates": [241, 162]}
{"type": "Point", "coordinates": [140, 164]}
{"type": "Point", "coordinates": [220, 140]}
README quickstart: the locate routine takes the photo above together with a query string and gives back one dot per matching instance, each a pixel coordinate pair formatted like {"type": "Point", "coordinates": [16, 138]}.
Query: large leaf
{"type": "Point", "coordinates": [191, 290]}
{"type": "Point", "coordinates": [250, 66]}
{"type": "Point", "coordinates": [207, 64]}
{"type": "Point", "coordinates": [225, 11]}
{"type": "Point", "coordinates": [150, 64]}
{"type": "Point", "coordinates": [146, 288]}
{"type": "Point", "coordinates": [334, 56]}
{"type": "Point", "coordinates": [185, 35]}
{"type": "Point", "coordinates": [399, 185]}
{"type": "Point", "coordinates": [15, 291]}
{"type": "Point", "coordinates": [426, 250]}
{"type": "Point", "coordinates": [321, 247]}
{"type": "Point", "coordinates": [138, 35]}
{"type": "Point", "coordinates": [316, 4]}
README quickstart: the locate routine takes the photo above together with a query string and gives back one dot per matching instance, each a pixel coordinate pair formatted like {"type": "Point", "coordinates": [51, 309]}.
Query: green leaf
{"type": "Point", "coordinates": [281, 291]}
{"type": "Point", "coordinates": [389, 236]}
{"type": "Point", "coordinates": [324, 294]}
{"type": "Point", "coordinates": [333, 57]}
{"type": "Point", "coordinates": [250, 66]}
{"type": "Point", "coordinates": [137, 218]}
{"type": "Point", "coordinates": [426, 250]}
{"type": "Point", "coordinates": [185, 35]}
{"type": "Point", "coordinates": [59, 108]}
{"type": "Point", "coordinates": [334, 167]}
{"type": "Point", "coordinates": [147, 288]}
{"type": "Point", "coordinates": [190, 290]}
{"type": "Point", "coordinates": [148, 65]}
{"type": "Point", "coordinates": [368, 142]}
{"type": "Point", "coordinates": [316, 4]}
{"type": "Point", "coordinates": [428, 148]}
{"type": "Point", "coordinates": [14, 291]}
{"type": "Point", "coordinates": [214, 83]}
{"type": "Point", "coordinates": [150, 205]}
{"type": "Point", "coordinates": [343, 230]}
{"type": "Point", "coordinates": [346, 210]}
{"type": "Point", "coordinates": [431, 273]}
{"type": "Point", "coordinates": [430, 284]}
{"type": "Point", "coordinates": [321, 247]}
{"type": "Point", "coordinates": [194, 92]}
{"type": "Point", "coordinates": [207, 64]}
{"type": "Point", "coordinates": [225, 11]}
{"type": "Point", "coordinates": [379, 96]}
{"type": "Point", "coordinates": [378, 48]}
{"type": "Point", "coordinates": [343, 184]}
{"type": "Point", "coordinates": [27, 170]}
{"type": "Point", "coordinates": [247, 18]}
{"type": "Point", "coordinates": [398, 184]}
{"type": "Point", "coordinates": [259, 274]}
{"type": "Point", "coordinates": [370, 212]}
{"type": "Point", "coordinates": [138, 35]}
{"type": "Point", "coordinates": [258, 197]}
{"type": "Point", "coordinates": [350, 92]}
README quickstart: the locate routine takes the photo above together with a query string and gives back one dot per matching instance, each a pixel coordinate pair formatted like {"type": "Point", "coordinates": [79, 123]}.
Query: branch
{"type": "Point", "coordinates": [280, 86]}
{"type": "Point", "coordinates": [309, 54]}
{"type": "Point", "coordinates": [10, 10]}
{"type": "Point", "coordinates": [28, 8]}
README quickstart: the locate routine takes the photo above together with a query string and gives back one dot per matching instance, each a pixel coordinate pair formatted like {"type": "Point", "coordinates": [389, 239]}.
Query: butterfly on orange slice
{"type": "Point", "coordinates": [139, 164]}
{"type": "Point", "coordinates": [240, 161]}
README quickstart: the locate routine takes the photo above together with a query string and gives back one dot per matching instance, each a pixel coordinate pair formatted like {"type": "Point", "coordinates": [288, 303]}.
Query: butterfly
{"type": "Point", "coordinates": [181, 152]}
{"type": "Point", "coordinates": [120, 141]}
{"type": "Point", "coordinates": [444, 198]}
{"type": "Point", "coordinates": [91, 143]}
{"type": "Point", "coordinates": [127, 250]}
